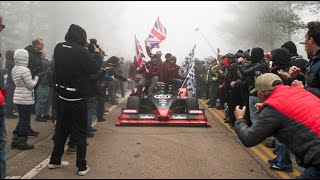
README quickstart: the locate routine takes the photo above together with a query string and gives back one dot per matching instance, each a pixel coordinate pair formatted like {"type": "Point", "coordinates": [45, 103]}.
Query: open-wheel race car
{"type": "Point", "coordinates": [166, 106]}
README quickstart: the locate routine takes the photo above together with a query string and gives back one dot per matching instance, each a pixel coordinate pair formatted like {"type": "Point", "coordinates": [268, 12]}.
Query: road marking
{"type": "Point", "coordinates": [37, 169]}
{"type": "Point", "coordinates": [33, 172]}
{"type": "Point", "coordinates": [261, 155]}
{"type": "Point", "coordinates": [13, 177]}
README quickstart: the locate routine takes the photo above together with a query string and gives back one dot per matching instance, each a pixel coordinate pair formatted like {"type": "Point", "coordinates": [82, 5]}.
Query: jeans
{"type": "Point", "coordinates": [43, 100]}
{"type": "Point", "coordinates": [283, 156]}
{"type": "Point", "coordinates": [100, 106]}
{"type": "Point", "coordinates": [10, 107]}
{"type": "Point", "coordinates": [22, 127]}
{"type": "Point", "coordinates": [253, 100]}
{"type": "Point", "coordinates": [143, 83]}
{"type": "Point", "coordinates": [72, 119]}
{"type": "Point", "coordinates": [92, 111]}
{"type": "Point", "coordinates": [3, 144]}
{"type": "Point", "coordinates": [310, 173]}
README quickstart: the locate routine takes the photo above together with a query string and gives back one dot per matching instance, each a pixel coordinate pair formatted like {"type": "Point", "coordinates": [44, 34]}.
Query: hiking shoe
{"type": "Point", "coordinates": [54, 166]}
{"type": "Point", "coordinates": [271, 144]}
{"type": "Point", "coordinates": [33, 133]}
{"type": "Point", "coordinates": [71, 150]}
{"type": "Point", "coordinates": [40, 119]}
{"type": "Point", "coordinates": [90, 135]}
{"type": "Point", "coordinates": [84, 172]}
{"type": "Point", "coordinates": [101, 120]}
{"type": "Point", "coordinates": [47, 117]}
{"type": "Point", "coordinates": [11, 116]}
{"type": "Point", "coordinates": [93, 130]}
{"type": "Point", "coordinates": [277, 168]}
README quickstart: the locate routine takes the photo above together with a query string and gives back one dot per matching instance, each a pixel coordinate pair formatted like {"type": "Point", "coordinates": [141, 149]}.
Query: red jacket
{"type": "Point", "coordinates": [171, 71]}
{"type": "Point", "coordinates": [2, 95]}
{"type": "Point", "coordinates": [154, 70]}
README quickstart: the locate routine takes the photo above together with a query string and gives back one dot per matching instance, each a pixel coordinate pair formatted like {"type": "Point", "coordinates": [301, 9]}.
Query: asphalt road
{"type": "Point", "coordinates": [144, 153]}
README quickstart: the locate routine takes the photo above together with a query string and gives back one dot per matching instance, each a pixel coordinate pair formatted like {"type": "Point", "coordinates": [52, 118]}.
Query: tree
{"type": "Point", "coordinates": [263, 24]}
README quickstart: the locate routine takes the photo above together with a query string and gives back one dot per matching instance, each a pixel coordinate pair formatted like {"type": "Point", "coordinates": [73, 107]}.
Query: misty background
{"type": "Point", "coordinates": [229, 25]}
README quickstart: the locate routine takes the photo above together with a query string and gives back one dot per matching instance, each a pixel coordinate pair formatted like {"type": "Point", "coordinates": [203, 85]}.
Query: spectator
{"type": "Point", "coordinates": [23, 97]}
{"type": "Point", "coordinates": [43, 92]}
{"type": "Point", "coordinates": [312, 46]}
{"type": "Point", "coordinates": [212, 80]}
{"type": "Point", "coordinates": [151, 72]}
{"type": "Point", "coordinates": [3, 133]}
{"type": "Point", "coordinates": [10, 86]}
{"type": "Point", "coordinates": [73, 66]}
{"type": "Point", "coordinates": [290, 114]}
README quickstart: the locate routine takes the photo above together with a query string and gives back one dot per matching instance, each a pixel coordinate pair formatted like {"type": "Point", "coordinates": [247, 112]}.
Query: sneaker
{"type": "Point", "coordinates": [40, 119]}
{"type": "Point", "coordinates": [54, 166]}
{"type": "Point", "coordinates": [277, 168]}
{"type": "Point", "coordinates": [84, 172]}
{"type": "Point", "coordinates": [272, 162]}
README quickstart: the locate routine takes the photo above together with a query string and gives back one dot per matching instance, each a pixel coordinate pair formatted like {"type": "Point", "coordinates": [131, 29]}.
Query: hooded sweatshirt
{"type": "Point", "coordinates": [73, 65]}
{"type": "Point", "coordinates": [21, 76]}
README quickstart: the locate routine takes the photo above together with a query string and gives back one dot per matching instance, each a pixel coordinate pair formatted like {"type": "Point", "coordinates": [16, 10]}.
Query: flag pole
{"type": "Point", "coordinates": [197, 29]}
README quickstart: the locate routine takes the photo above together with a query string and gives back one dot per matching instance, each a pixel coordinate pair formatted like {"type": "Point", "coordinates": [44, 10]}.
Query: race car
{"type": "Point", "coordinates": [163, 108]}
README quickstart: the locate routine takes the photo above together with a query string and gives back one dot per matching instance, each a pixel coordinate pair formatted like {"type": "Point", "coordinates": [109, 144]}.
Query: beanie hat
{"type": "Point", "coordinates": [290, 47]}
{"type": "Point", "coordinates": [280, 58]}
{"type": "Point", "coordinates": [257, 54]}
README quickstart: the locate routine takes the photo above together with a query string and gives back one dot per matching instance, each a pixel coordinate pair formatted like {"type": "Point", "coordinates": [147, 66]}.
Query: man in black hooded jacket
{"type": "Point", "coordinates": [73, 67]}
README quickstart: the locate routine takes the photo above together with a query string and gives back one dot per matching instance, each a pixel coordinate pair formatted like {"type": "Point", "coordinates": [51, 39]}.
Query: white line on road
{"type": "Point", "coordinates": [44, 163]}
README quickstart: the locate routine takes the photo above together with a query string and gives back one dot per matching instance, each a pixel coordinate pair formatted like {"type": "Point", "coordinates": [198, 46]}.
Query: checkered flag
{"type": "Point", "coordinates": [187, 64]}
{"type": "Point", "coordinates": [188, 67]}
{"type": "Point", "coordinates": [191, 84]}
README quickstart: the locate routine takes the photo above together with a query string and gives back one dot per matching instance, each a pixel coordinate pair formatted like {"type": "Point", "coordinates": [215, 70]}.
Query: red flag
{"type": "Point", "coordinates": [140, 55]}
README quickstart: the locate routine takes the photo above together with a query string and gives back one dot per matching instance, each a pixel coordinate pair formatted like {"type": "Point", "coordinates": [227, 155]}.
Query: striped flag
{"type": "Point", "coordinates": [157, 35]}
{"type": "Point", "coordinates": [140, 55]}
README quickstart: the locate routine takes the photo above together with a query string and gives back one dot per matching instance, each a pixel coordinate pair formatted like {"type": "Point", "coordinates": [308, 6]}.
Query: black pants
{"type": "Point", "coordinates": [235, 100]}
{"type": "Point", "coordinates": [213, 92]}
{"type": "Point", "coordinates": [72, 119]}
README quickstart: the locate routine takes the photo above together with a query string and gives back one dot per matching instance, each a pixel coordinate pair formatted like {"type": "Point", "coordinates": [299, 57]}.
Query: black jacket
{"type": "Point", "coordinates": [35, 63]}
{"type": "Point", "coordinates": [9, 67]}
{"type": "Point", "coordinates": [73, 65]}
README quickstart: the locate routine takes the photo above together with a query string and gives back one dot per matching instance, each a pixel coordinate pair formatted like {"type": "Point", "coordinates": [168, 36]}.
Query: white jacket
{"type": "Point", "coordinates": [21, 76]}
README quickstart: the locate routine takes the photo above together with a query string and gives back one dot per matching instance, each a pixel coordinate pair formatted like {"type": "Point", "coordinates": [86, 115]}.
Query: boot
{"type": "Point", "coordinates": [22, 143]}
{"type": "Point", "coordinates": [14, 141]}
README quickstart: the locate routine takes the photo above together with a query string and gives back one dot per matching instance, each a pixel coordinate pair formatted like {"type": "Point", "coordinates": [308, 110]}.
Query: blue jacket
{"type": "Point", "coordinates": [313, 75]}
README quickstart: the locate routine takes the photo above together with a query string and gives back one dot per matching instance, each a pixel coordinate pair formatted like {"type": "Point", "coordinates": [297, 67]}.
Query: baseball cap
{"type": "Point", "coordinates": [266, 82]}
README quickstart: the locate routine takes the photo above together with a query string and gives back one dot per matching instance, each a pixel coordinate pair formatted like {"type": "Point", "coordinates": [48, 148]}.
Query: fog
{"type": "Point", "coordinates": [226, 25]}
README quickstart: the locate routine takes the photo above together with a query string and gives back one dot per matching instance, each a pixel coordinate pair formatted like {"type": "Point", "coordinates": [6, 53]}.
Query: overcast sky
{"type": "Point", "coordinates": [180, 19]}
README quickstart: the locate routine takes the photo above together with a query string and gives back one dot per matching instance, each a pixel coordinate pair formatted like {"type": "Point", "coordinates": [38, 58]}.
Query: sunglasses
{"type": "Point", "coordinates": [3, 26]}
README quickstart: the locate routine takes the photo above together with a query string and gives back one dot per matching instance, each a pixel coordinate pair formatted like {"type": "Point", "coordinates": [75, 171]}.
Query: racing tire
{"type": "Point", "coordinates": [192, 103]}
{"type": "Point", "coordinates": [133, 102]}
